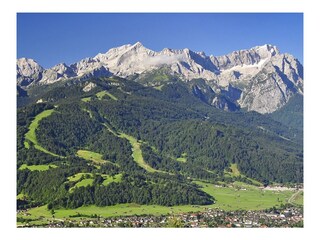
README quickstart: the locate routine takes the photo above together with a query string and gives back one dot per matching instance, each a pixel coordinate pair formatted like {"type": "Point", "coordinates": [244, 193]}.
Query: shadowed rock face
{"type": "Point", "coordinates": [261, 78]}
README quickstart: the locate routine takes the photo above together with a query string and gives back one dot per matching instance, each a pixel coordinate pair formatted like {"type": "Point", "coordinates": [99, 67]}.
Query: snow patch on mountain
{"type": "Point", "coordinates": [265, 77]}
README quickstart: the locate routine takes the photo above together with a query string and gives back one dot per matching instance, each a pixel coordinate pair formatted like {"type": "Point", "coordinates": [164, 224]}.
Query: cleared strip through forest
{"type": "Point", "coordinates": [31, 134]}
{"type": "Point", "coordinates": [136, 150]}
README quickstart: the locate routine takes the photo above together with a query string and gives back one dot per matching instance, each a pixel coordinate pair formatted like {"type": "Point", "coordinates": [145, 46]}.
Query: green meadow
{"type": "Point", "coordinates": [91, 156]}
{"type": "Point", "coordinates": [101, 94]}
{"type": "Point", "coordinates": [136, 150]}
{"type": "Point", "coordinates": [86, 99]}
{"type": "Point", "coordinates": [233, 197]}
{"type": "Point", "coordinates": [244, 196]}
{"type": "Point", "coordinates": [37, 167]}
{"type": "Point", "coordinates": [86, 179]}
{"type": "Point", "coordinates": [78, 176]}
{"type": "Point", "coordinates": [236, 173]}
{"type": "Point", "coordinates": [109, 179]}
{"type": "Point", "coordinates": [31, 134]}
{"type": "Point", "coordinates": [137, 153]}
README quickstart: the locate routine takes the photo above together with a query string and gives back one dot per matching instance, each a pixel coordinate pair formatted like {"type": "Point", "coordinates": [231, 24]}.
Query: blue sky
{"type": "Point", "coordinates": [51, 38]}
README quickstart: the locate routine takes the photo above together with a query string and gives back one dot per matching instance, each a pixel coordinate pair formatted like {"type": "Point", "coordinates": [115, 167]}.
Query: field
{"type": "Point", "coordinates": [31, 134]}
{"type": "Point", "coordinates": [87, 99]}
{"type": "Point", "coordinates": [91, 156]}
{"type": "Point", "coordinates": [136, 150]}
{"type": "Point", "coordinates": [116, 210]}
{"type": "Point", "coordinates": [83, 183]}
{"type": "Point", "coordinates": [101, 94]}
{"type": "Point", "coordinates": [297, 198]}
{"type": "Point", "coordinates": [37, 167]}
{"type": "Point", "coordinates": [235, 173]}
{"type": "Point", "coordinates": [137, 153]}
{"type": "Point", "coordinates": [233, 197]}
{"type": "Point", "coordinates": [234, 169]}
{"type": "Point", "coordinates": [86, 179]}
{"type": "Point", "coordinates": [244, 196]}
{"type": "Point", "coordinates": [96, 158]}
{"type": "Point", "coordinates": [78, 176]}
{"type": "Point", "coordinates": [109, 179]}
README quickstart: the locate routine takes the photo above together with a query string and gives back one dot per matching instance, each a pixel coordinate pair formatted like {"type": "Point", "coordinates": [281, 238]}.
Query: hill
{"type": "Point", "coordinates": [142, 133]}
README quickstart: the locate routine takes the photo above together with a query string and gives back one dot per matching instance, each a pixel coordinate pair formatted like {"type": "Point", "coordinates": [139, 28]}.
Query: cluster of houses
{"type": "Point", "coordinates": [287, 217]}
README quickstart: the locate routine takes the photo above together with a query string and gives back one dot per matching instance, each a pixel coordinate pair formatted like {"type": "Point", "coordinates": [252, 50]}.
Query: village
{"type": "Point", "coordinates": [286, 217]}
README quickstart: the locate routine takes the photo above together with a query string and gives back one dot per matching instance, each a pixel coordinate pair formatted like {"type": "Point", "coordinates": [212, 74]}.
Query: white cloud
{"type": "Point", "coordinates": [165, 59]}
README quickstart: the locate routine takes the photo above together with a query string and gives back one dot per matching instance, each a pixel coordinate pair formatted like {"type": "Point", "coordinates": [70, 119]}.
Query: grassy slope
{"type": "Point", "coordinates": [235, 173]}
{"type": "Point", "coordinates": [137, 153]}
{"type": "Point", "coordinates": [77, 177]}
{"type": "Point", "coordinates": [92, 156]}
{"type": "Point", "coordinates": [83, 183]}
{"type": "Point", "coordinates": [88, 181]}
{"type": "Point", "coordinates": [87, 99]}
{"type": "Point", "coordinates": [109, 179]}
{"type": "Point", "coordinates": [31, 134]}
{"type": "Point", "coordinates": [101, 94]}
{"type": "Point", "coordinates": [136, 150]}
{"type": "Point", "coordinates": [235, 170]}
{"type": "Point", "coordinates": [37, 167]}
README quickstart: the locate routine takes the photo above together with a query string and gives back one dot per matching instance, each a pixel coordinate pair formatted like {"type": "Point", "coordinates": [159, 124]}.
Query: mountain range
{"type": "Point", "coordinates": [143, 127]}
{"type": "Point", "coordinates": [259, 79]}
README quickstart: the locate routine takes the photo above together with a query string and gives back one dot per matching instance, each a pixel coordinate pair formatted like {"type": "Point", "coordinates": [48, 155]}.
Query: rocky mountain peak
{"type": "Point", "coordinates": [28, 71]}
{"type": "Point", "coordinates": [264, 78]}
{"type": "Point", "coordinates": [137, 45]}
{"type": "Point", "coordinates": [61, 68]}
{"type": "Point", "coordinates": [28, 67]}
{"type": "Point", "coordinates": [266, 51]}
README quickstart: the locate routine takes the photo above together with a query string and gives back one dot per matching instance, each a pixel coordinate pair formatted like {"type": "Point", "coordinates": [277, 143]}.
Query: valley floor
{"type": "Point", "coordinates": [286, 217]}
{"type": "Point", "coordinates": [240, 201]}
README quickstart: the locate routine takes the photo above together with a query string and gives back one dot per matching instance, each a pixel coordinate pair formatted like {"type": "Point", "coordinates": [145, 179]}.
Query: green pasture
{"type": "Point", "coordinates": [96, 158]}
{"type": "Point", "coordinates": [42, 167]}
{"type": "Point", "coordinates": [101, 94]}
{"type": "Point", "coordinates": [233, 197]}
{"type": "Point", "coordinates": [31, 134]}
{"type": "Point", "coordinates": [244, 196]}
{"type": "Point", "coordinates": [109, 179]}
{"type": "Point", "coordinates": [236, 173]}
{"type": "Point", "coordinates": [86, 179]}
{"type": "Point", "coordinates": [137, 153]}
{"type": "Point", "coordinates": [86, 99]}
{"type": "Point", "coordinates": [91, 156]}
{"type": "Point", "coordinates": [78, 176]}
{"type": "Point", "coordinates": [297, 198]}
{"type": "Point", "coordinates": [234, 169]}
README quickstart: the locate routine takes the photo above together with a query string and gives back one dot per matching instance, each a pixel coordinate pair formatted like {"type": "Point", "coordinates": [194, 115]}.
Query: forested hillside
{"type": "Point", "coordinates": [151, 143]}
